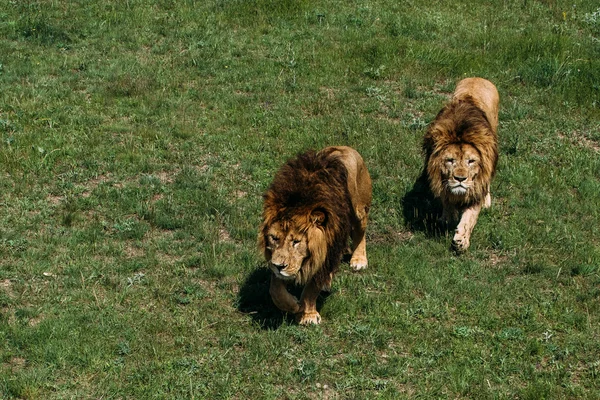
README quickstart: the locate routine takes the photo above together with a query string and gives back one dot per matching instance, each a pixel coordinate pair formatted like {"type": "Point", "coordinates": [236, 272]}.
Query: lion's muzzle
{"type": "Point", "coordinates": [280, 271]}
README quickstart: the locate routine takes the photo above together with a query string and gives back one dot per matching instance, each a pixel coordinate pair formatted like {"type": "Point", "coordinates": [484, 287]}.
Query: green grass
{"type": "Point", "coordinates": [136, 140]}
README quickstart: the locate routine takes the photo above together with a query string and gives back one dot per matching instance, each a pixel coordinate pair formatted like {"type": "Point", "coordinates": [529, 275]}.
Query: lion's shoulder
{"type": "Point", "coordinates": [483, 94]}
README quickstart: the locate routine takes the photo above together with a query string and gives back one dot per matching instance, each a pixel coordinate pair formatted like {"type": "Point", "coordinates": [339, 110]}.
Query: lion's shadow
{"type": "Point", "coordinates": [422, 211]}
{"type": "Point", "coordinates": [254, 299]}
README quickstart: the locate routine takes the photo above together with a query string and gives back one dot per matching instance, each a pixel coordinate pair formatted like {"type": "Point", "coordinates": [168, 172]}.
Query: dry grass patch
{"type": "Point", "coordinates": [15, 364]}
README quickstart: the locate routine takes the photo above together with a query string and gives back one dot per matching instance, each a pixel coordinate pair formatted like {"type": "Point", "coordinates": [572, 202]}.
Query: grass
{"type": "Point", "coordinates": [137, 138]}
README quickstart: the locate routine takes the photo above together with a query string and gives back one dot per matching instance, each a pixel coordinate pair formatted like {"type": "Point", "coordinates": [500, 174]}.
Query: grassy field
{"type": "Point", "coordinates": [138, 136]}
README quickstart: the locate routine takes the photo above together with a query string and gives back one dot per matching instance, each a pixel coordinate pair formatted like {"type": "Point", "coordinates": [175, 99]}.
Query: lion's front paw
{"type": "Point", "coordinates": [460, 243]}
{"type": "Point", "coordinates": [309, 318]}
{"type": "Point", "coordinates": [358, 262]}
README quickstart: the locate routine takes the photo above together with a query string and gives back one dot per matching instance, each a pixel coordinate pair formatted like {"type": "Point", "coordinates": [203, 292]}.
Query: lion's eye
{"type": "Point", "coordinates": [295, 242]}
{"type": "Point", "coordinates": [274, 238]}
{"type": "Point", "coordinates": [450, 160]}
{"type": "Point", "coordinates": [471, 162]}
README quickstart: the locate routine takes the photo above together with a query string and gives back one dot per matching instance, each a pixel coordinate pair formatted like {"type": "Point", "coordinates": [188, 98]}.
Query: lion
{"type": "Point", "coordinates": [461, 154]}
{"type": "Point", "coordinates": [316, 202]}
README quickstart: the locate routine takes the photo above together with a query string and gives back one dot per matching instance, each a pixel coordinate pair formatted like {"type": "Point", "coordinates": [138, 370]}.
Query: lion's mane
{"type": "Point", "coordinates": [461, 122]}
{"type": "Point", "coordinates": [311, 182]}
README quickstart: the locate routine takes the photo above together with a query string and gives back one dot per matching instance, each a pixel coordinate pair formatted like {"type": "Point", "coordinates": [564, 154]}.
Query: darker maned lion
{"type": "Point", "coordinates": [461, 153]}
{"type": "Point", "coordinates": [317, 201]}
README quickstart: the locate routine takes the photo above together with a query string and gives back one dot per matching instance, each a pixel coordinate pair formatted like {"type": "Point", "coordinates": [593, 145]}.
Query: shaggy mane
{"type": "Point", "coordinates": [312, 181]}
{"type": "Point", "coordinates": [462, 122]}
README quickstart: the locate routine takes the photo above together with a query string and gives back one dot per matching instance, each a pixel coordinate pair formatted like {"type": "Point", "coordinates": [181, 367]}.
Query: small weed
{"type": "Point", "coordinates": [136, 279]}
{"type": "Point", "coordinates": [306, 370]}
{"type": "Point", "coordinates": [510, 334]}
{"type": "Point", "coordinates": [130, 229]}
{"type": "Point", "coordinates": [123, 349]}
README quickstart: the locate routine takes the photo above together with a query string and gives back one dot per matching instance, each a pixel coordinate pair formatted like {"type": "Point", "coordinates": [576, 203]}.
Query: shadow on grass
{"type": "Point", "coordinates": [422, 211]}
{"type": "Point", "coordinates": [254, 300]}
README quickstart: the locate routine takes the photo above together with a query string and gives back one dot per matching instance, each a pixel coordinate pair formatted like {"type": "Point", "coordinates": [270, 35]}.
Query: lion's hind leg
{"type": "Point", "coordinates": [359, 242]}
{"type": "Point", "coordinates": [487, 202]}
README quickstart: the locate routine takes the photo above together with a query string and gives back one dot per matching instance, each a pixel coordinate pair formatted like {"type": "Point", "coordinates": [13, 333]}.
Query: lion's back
{"type": "Point", "coordinates": [358, 178]}
{"type": "Point", "coordinates": [483, 94]}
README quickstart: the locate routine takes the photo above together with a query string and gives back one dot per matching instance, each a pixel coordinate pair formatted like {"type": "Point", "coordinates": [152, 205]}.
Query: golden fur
{"type": "Point", "coordinates": [461, 153]}
{"type": "Point", "coordinates": [315, 203]}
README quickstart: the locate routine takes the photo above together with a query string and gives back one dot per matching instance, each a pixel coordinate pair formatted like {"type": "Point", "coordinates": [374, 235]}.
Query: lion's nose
{"type": "Point", "coordinates": [460, 178]}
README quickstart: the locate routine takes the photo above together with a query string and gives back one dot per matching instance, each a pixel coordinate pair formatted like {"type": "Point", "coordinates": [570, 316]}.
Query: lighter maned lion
{"type": "Point", "coordinates": [317, 201]}
{"type": "Point", "coordinates": [461, 153]}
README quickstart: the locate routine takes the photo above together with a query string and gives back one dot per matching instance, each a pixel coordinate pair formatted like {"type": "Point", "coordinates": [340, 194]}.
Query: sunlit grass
{"type": "Point", "coordinates": [136, 140]}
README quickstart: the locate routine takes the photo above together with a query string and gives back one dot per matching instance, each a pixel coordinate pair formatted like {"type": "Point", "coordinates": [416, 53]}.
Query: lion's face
{"type": "Point", "coordinates": [461, 163]}
{"type": "Point", "coordinates": [295, 248]}
{"type": "Point", "coordinates": [288, 248]}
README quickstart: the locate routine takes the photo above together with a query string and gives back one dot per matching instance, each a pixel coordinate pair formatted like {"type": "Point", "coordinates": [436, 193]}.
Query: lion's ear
{"type": "Point", "coordinates": [318, 217]}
